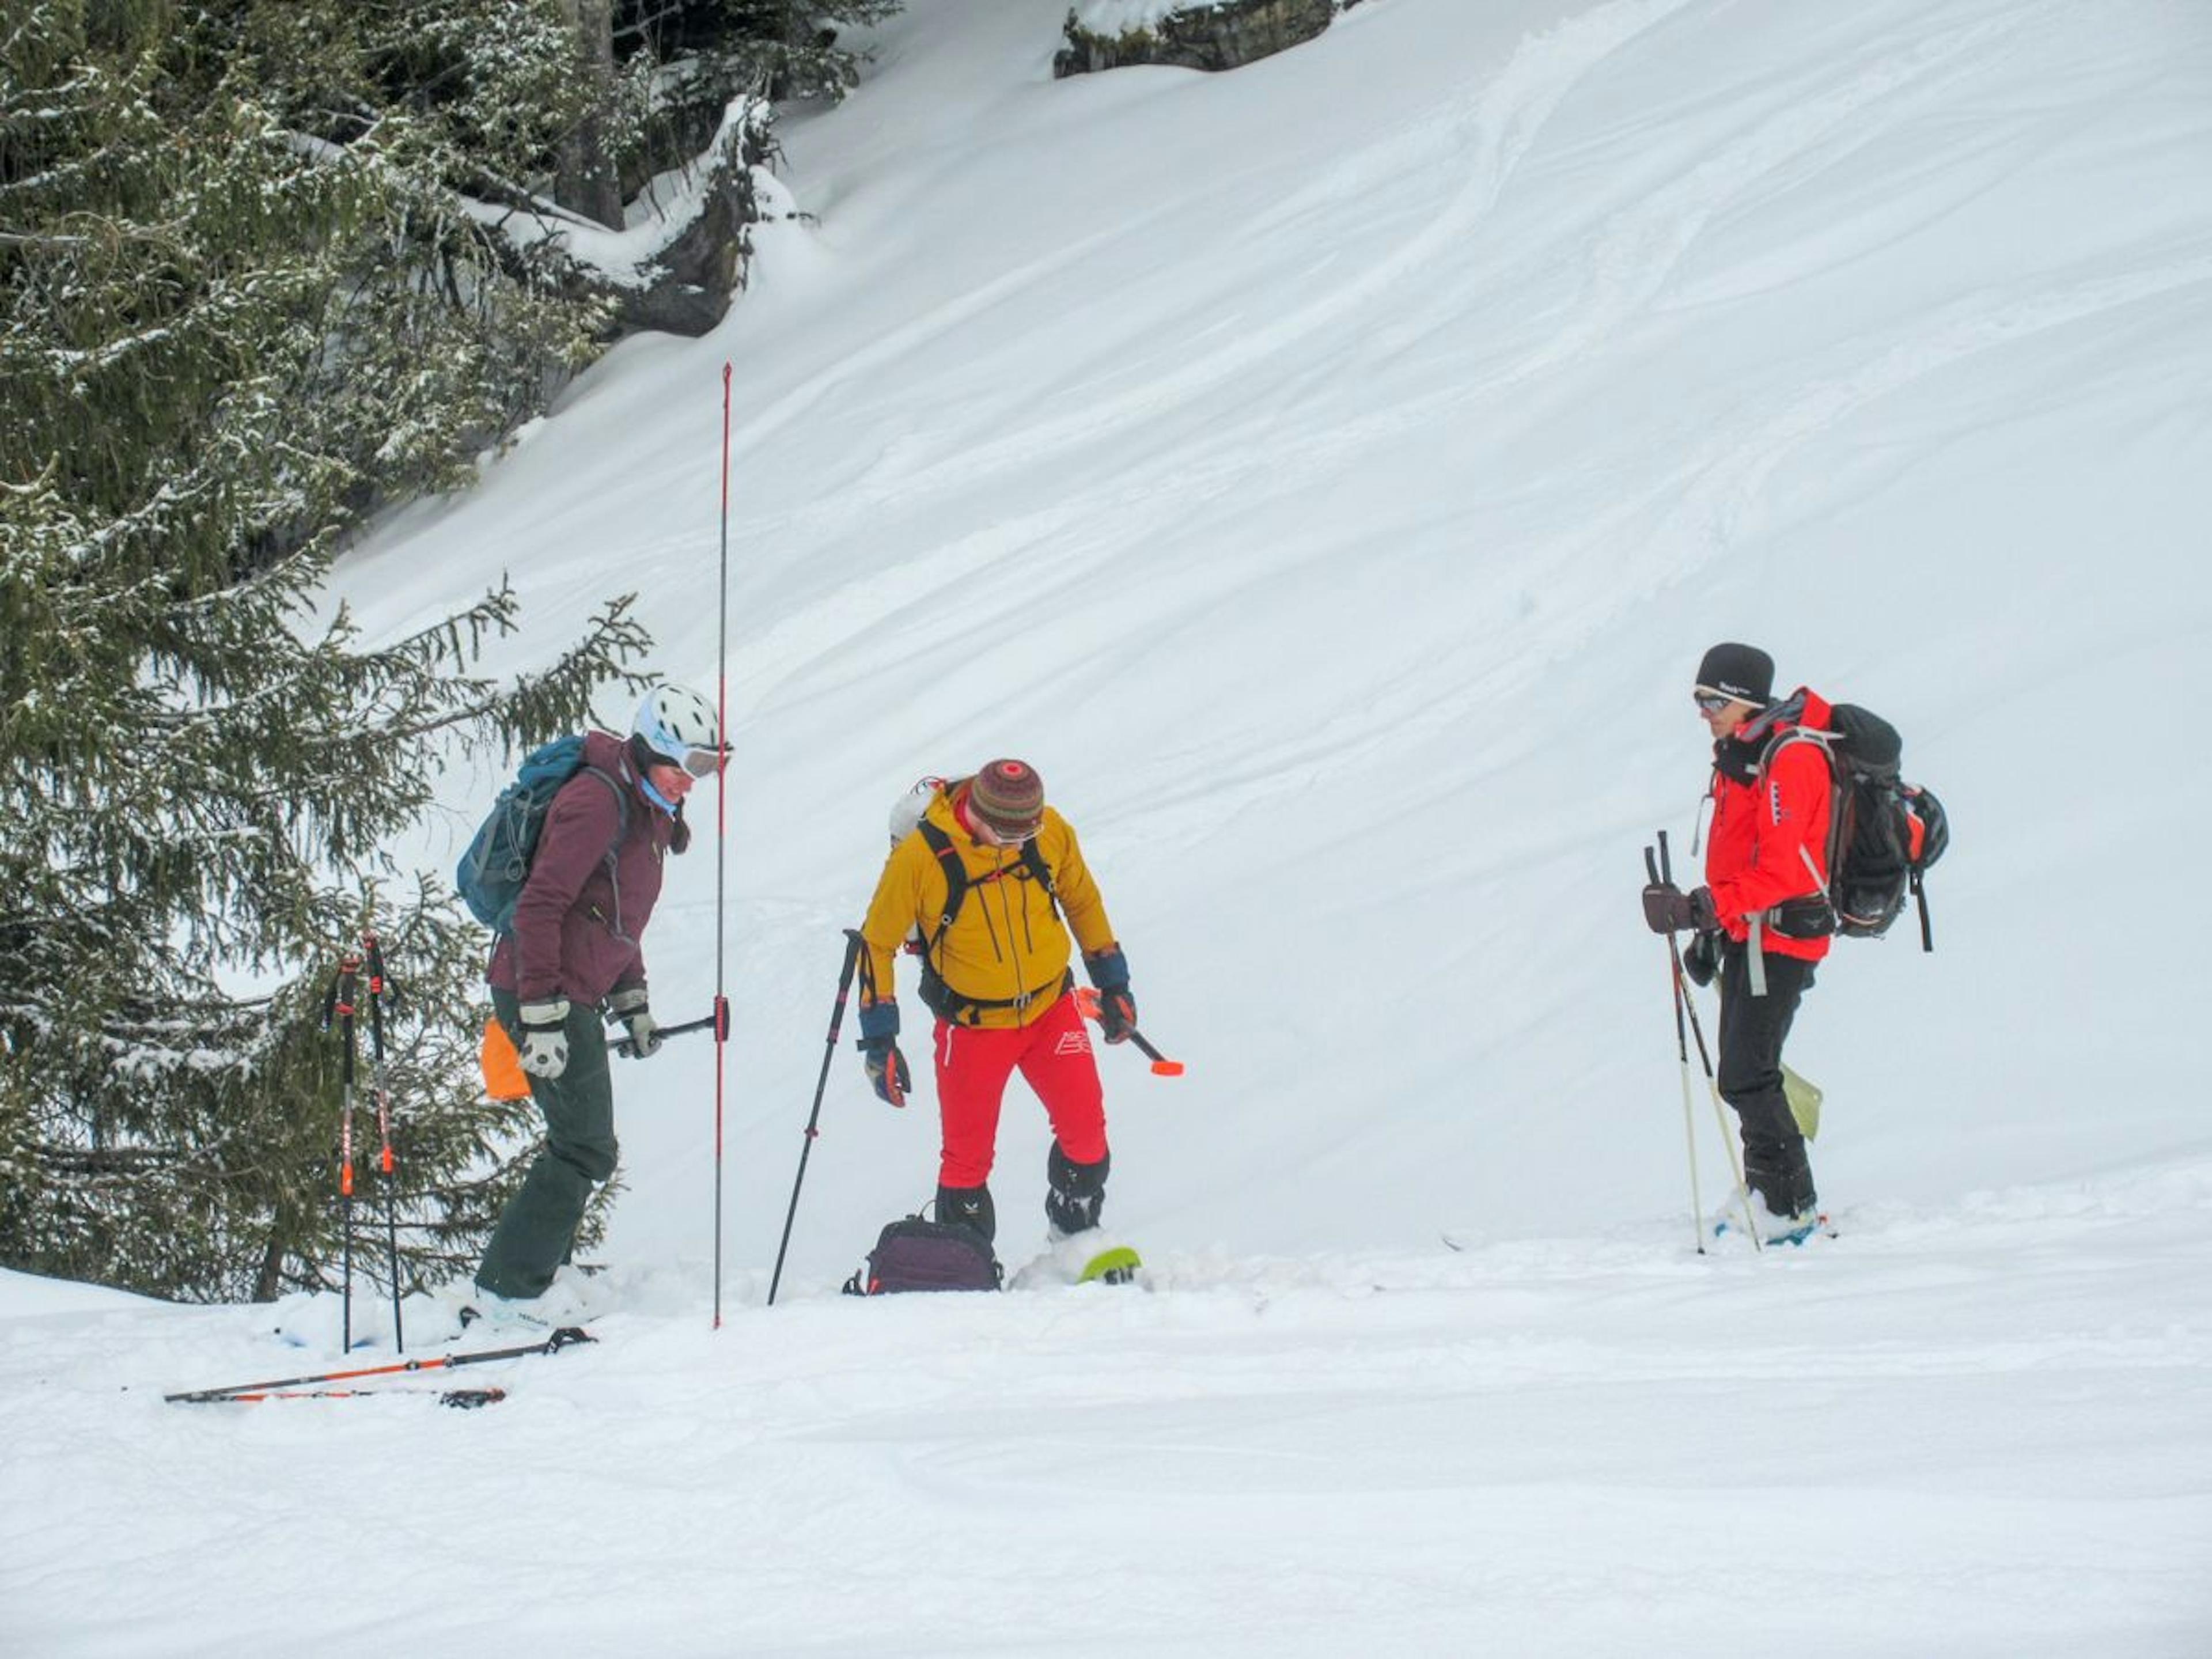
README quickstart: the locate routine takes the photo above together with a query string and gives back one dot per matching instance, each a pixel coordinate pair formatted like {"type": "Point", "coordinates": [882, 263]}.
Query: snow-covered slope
{"type": "Point", "coordinates": [1328, 475]}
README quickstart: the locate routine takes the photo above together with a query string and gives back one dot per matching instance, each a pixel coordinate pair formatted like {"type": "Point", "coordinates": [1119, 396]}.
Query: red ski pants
{"type": "Point", "coordinates": [973, 1065]}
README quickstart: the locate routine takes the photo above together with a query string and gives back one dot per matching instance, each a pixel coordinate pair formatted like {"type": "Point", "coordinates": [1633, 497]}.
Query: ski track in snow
{"type": "Point", "coordinates": [1328, 472]}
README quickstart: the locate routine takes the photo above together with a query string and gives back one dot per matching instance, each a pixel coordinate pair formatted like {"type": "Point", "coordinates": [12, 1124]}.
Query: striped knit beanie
{"type": "Point", "coordinates": [1009, 796]}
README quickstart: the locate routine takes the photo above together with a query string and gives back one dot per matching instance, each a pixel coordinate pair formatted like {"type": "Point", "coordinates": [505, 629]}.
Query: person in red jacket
{"type": "Point", "coordinates": [1762, 917]}
{"type": "Point", "coordinates": [573, 958]}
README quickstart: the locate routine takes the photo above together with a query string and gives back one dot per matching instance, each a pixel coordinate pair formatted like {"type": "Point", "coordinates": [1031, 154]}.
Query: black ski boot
{"type": "Point", "coordinates": [971, 1207]}
{"type": "Point", "coordinates": [1075, 1193]}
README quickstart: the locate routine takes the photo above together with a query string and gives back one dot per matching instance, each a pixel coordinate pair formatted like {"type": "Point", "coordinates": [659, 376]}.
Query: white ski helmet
{"type": "Point", "coordinates": [679, 725]}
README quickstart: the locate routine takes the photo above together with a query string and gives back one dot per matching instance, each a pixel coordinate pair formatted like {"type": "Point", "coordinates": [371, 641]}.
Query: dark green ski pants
{"type": "Point", "coordinates": [538, 1228]}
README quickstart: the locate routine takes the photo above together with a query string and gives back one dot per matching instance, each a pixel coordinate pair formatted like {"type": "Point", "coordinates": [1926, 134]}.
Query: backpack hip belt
{"type": "Point", "coordinates": [950, 1005]}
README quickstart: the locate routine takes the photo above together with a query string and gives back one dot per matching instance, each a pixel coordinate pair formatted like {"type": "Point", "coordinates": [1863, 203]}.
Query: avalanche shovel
{"type": "Point", "coordinates": [1086, 1002]}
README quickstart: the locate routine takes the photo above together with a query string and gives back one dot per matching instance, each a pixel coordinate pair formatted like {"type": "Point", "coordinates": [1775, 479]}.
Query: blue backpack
{"type": "Point", "coordinates": [492, 872]}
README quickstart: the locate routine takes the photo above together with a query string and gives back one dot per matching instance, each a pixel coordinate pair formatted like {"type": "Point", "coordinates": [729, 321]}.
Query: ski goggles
{"type": "Point", "coordinates": [1711, 702]}
{"type": "Point", "coordinates": [703, 763]}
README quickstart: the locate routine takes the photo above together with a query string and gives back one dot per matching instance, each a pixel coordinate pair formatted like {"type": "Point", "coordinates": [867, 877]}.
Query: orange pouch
{"type": "Point", "coordinates": [502, 1067]}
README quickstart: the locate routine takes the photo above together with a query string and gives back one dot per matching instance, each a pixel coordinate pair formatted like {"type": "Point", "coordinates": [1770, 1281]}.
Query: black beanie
{"type": "Point", "coordinates": [1741, 671]}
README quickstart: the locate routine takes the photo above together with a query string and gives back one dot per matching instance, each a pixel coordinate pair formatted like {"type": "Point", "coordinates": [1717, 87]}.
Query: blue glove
{"type": "Point", "coordinates": [1117, 1009]}
{"type": "Point", "coordinates": [887, 1068]}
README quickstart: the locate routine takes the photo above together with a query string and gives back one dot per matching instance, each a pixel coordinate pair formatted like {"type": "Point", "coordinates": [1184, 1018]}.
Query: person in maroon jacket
{"type": "Point", "coordinates": [573, 958]}
{"type": "Point", "coordinates": [1762, 918]}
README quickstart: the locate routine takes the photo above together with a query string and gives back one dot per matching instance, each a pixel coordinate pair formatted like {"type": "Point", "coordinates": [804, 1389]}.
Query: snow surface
{"type": "Point", "coordinates": [1328, 474]}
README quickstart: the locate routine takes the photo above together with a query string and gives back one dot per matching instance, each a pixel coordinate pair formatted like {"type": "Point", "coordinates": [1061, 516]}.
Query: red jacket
{"type": "Point", "coordinates": [1762, 833]}
{"type": "Point", "coordinates": [577, 924]}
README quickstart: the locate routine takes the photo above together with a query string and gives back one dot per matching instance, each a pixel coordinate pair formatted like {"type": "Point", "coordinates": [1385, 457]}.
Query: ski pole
{"type": "Point", "coordinates": [1705, 1061]}
{"type": "Point", "coordinates": [459, 1399]}
{"type": "Point", "coordinates": [1086, 1003]}
{"type": "Point", "coordinates": [1682, 1053]}
{"type": "Point", "coordinates": [721, 1017]}
{"type": "Point", "coordinates": [622, 1045]}
{"type": "Point", "coordinates": [568, 1336]}
{"type": "Point", "coordinates": [340, 1004]}
{"type": "Point", "coordinates": [828, 1052]}
{"type": "Point", "coordinates": [379, 989]}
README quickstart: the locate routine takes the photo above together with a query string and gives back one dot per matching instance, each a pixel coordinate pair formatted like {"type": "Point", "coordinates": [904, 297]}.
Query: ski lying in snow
{"type": "Point", "coordinates": [1115, 1267]}
{"type": "Point", "coordinates": [464, 1400]}
{"type": "Point", "coordinates": [567, 1337]}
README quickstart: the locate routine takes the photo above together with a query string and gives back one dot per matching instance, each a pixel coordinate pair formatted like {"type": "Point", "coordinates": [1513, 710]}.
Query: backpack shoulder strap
{"type": "Point", "coordinates": [956, 877]}
{"type": "Point", "coordinates": [622, 804]}
{"type": "Point", "coordinates": [612, 857]}
{"type": "Point", "coordinates": [1033, 860]}
{"type": "Point", "coordinates": [1791, 737]}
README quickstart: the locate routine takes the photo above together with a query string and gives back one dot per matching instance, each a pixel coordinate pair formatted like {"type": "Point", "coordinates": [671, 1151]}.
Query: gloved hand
{"type": "Point", "coordinates": [1117, 1009]}
{"type": "Point", "coordinates": [1117, 1015]}
{"type": "Point", "coordinates": [1701, 957]}
{"type": "Point", "coordinates": [628, 1010]}
{"type": "Point", "coordinates": [887, 1069]}
{"type": "Point", "coordinates": [1668, 909]}
{"type": "Point", "coordinates": [545, 1050]}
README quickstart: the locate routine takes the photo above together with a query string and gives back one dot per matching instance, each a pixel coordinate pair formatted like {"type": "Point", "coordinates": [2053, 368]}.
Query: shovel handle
{"type": "Point", "coordinates": [1086, 1003]}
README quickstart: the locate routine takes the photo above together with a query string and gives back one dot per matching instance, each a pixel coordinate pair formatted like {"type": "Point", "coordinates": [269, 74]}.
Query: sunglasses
{"type": "Point", "coordinates": [1711, 702]}
{"type": "Point", "coordinates": [1004, 835]}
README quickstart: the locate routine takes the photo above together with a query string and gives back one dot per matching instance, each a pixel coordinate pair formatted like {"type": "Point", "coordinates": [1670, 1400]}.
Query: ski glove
{"type": "Point", "coordinates": [1117, 1009]}
{"type": "Point", "coordinates": [628, 1010]}
{"type": "Point", "coordinates": [1117, 1015]}
{"type": "Point", "coordinates": [887, 1068]}
{"type": "Point", "coordinates": [545, 1050]}
{"type": "Point", "coordinates": [1668, 909]}
{"type": "Point", "coordinates": [1701, 957]}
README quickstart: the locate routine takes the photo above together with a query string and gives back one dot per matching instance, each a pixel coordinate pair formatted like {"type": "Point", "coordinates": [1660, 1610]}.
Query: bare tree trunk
{"type": "Point", "coordinates": [585, 182]}
{"type": "Point", "coordinates": [270, 1278]}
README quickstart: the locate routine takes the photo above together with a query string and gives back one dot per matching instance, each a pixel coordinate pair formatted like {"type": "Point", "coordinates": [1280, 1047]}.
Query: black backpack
{"type": "Point", "coordinates": [918, 1255]}
{"type": "Point", "coordinates": [1884, 834]}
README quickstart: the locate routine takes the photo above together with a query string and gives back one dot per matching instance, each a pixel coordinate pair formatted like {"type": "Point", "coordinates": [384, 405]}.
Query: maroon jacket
{"type": "Point", "coordinates": [578, 923]}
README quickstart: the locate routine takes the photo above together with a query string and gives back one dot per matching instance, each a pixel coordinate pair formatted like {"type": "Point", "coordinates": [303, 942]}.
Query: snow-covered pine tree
{"type": "Point", "coordinates": [222, 339]}
{"type": "Point", "coordinates": [777, 48]}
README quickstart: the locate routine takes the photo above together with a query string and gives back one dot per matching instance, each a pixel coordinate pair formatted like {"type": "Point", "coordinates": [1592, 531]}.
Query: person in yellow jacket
{"type": "Point", "coordinates": [990, 884]}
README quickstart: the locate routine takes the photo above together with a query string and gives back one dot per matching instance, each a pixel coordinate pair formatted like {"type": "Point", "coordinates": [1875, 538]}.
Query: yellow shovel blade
{"type": "Point", "coordinates": [1804, 1097]}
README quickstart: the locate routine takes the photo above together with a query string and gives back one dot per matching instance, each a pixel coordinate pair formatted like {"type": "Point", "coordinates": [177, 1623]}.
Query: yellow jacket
{"type": "Point", "coordinates": [1005, 942]}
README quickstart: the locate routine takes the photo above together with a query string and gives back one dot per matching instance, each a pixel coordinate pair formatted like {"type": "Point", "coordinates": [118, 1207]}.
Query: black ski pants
{"type": "Point", "coordinates": [1753, 1031]}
